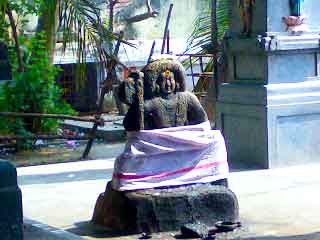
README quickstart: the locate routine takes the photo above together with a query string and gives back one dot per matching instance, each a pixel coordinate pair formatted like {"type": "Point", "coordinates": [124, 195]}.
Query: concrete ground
{"type": "Point", "coordinates": [274, 204]}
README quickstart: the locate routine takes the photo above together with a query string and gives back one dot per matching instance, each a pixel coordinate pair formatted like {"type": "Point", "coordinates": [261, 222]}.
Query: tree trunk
{"type": "Point", "coordinates": [15, 38]}
{"type": "Point", "coordinates": [115, 81]}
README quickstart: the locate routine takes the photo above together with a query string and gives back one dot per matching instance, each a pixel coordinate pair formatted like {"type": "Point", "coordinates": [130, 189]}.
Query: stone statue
{"type": "Point", "coordinates": [172, 157]}
{"type": "Point", "coordinates": [165, 102]}
{"type": "Point", "coordinates": [158, 99]}
{"type": "Point", "coordinates": [246, 14]}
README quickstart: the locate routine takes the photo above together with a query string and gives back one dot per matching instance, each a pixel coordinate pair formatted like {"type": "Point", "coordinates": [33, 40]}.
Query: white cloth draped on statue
{"type": "Point", "coordinates": [171, 157]}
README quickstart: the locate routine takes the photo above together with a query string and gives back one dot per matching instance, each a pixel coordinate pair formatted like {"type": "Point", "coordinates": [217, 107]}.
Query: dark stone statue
{"type": "Point", "coordinates": [165, 103]}
{"type": "Point", "coordinates": [158, 98]}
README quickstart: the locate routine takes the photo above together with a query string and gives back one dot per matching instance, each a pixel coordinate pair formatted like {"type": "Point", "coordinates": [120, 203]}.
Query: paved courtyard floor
{"type": "Point", "coordinates": [274, 204]}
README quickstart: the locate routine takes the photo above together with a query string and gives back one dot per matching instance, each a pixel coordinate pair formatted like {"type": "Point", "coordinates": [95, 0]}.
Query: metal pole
{"type": "Point", "coordinates": [215, 44]}
{"type": "Point", "coordinates": [192, 73]}
{"type": "Point", "coordinates": [151, 51]}
{"type": "Point", "coordinates": [168, 42]}
{"type": "Point", "coordinates": [166, 29]}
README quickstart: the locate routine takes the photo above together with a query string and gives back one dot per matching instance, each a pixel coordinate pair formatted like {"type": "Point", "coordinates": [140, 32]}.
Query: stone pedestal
{"type": "Point", "coordinates": [269, 112]}
{"type": "Point", "coordinates": [160, 210]}
{"type": "Point", "coordinates": [11, 219]}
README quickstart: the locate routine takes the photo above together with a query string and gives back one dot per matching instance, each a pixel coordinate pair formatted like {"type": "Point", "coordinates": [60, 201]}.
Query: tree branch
{"type": "Point", "coordinates": [151, 13]}
{"type": "Point", "coordinates": [149, 7]}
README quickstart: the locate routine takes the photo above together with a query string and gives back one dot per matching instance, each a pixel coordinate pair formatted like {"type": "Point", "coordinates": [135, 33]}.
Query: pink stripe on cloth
{"type": "Point", "coordinates": [166, 174]}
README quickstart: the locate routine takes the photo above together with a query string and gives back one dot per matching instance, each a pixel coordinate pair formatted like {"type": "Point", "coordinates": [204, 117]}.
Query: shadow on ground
{"type": "Point", "coordinates": [88, 229]}
{"type": "Point", "coordinates": [311, 236]}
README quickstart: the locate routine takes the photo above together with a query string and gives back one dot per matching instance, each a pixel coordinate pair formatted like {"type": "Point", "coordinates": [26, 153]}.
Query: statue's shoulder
{"type": "Point", "coordinates": [187, 94]}
{"type": "Point", "coordinates": [190, 99]}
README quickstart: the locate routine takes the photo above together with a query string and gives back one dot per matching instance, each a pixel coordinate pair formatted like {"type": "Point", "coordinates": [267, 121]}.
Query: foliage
{"type": "Point", "coordinates": [207, 36]}
{"type": "Point", "coordinates": [79, 23]}
{"type": "Point", "coordinates": [25, 6]}
{"type": "Point", "coordinates": [20, 7]}
{"type": "Point", "coordinates": [33, 88]}
{"type": "Point", "coordinates": [33, 91]}
{"type": "Point", "coordinates": [79, 20]}
{"type": "Point", "coordinates": [4, 34]}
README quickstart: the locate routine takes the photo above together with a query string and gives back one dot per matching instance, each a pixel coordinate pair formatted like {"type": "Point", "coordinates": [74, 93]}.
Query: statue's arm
{"type": "Point", "coordinates": [131, 93]}
{"type": "Point", "coordinates": [126, 94]}
{"type": "Point", "coordinates": [130, 121]}
{"type": "Point", "coordinates": [149, 119]}
{"type": "Point", "coordinates": [195, 112]}
{"type": "Point", "coordinates": [126, 91]}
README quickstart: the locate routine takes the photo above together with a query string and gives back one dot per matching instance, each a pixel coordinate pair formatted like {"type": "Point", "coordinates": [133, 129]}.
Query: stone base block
{"type": "Point", "coordinates": [115, 210]}
{"type": "Point", "coordinates": [160, 210]}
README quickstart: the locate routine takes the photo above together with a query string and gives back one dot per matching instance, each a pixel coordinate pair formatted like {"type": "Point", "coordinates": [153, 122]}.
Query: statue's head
{"type": "Point", "coordinates": [166, 82]}
{"type": "Point", "coordinates": [164, 75]}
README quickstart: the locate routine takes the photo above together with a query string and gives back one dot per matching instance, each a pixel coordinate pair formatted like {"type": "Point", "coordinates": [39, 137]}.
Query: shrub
{"type": "Point", "coordinates": [33, 91]}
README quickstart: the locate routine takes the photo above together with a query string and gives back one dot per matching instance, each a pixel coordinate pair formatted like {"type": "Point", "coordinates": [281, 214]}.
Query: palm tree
{"type": "Point", "coordinates": [210, 27]}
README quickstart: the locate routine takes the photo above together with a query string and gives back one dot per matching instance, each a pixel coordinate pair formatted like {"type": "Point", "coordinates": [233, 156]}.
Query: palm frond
{"type": "Point", "coordinates": [81, 23]}
{"type": "Point", "coordinates": [203, 40]}
{"type": "Point", "coordinates": [200, 38]}
{"type": "Point", "coordinates": [85, 32]}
